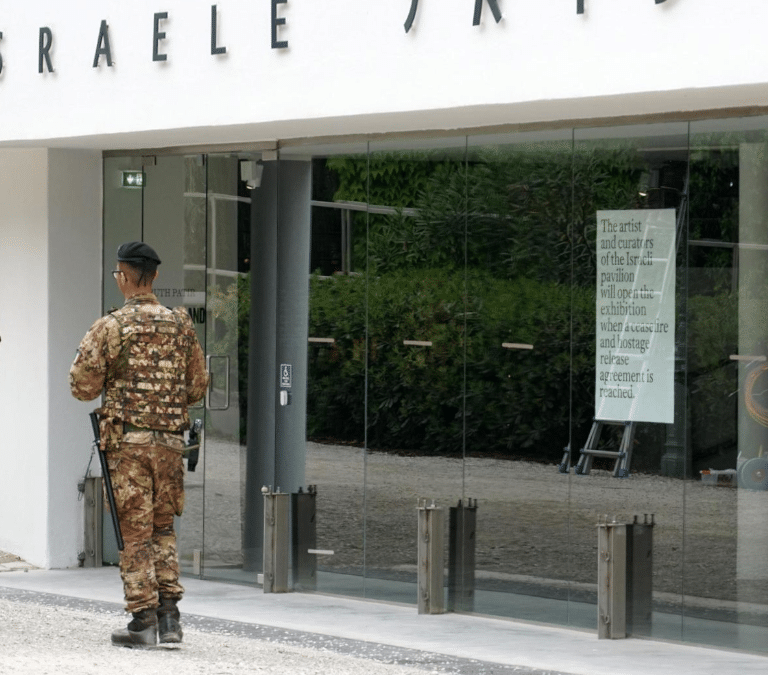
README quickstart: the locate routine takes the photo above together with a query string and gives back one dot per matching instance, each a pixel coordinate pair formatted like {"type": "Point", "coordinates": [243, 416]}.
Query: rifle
{"type": "Point", "coordinates": [107, 480]}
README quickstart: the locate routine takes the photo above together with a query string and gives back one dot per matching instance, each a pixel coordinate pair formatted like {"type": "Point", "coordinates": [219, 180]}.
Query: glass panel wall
{"type": "Point", "coordinates": [225, 207]}
{"type": "Point", "coordinates": [336, 377]}
{"type": "Point", "coordinates": [482, 309]}
{"type": "Point", "coordinates": [725, 575]}
{"type": "Point", "coordinates": [518, 362]}
{"type": "Point", "coordinates": [477, 295]}
{"type": "Point", "coordinates": [630, 203]}
{"type": "Point", "coordinates": [484, 276]}
{"type": "Point", "coordinates": [416, 316]}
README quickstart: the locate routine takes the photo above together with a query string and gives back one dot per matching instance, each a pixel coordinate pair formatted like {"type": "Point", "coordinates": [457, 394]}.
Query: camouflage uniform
{"type": "Point", "coordinates": [150, 366]}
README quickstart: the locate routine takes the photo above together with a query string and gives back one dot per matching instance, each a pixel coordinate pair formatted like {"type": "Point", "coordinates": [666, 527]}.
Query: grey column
{"type": "Point", "coordinates": [262, 341]}
{"type": "Point", "coordinates": [276, 443]}
{"type": "Point", "coordinates": [293, 235]}
{"type": "Point", "coordinates": [752, 547]}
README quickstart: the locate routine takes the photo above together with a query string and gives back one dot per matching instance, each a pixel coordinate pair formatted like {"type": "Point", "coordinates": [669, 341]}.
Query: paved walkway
{"type": "Point", "coordinates": [239, 629]}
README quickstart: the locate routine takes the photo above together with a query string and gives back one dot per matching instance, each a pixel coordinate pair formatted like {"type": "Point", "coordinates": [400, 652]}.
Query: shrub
{"type": "Point", "coordinates": [422, 398]}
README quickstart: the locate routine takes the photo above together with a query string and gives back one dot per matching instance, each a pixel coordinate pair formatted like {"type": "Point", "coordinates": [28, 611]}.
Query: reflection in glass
{"type": "Point", "coordinates": [416, 251]}
{"type": "Point", "coordinates": [726, 576]}
{"type": "Point", "coordinates": [228, 206]}
{"type": "Point", "coordinates": [336, 374]}
{"type": "Point", "coordinates": [518, 360]}
{"type": "Point", "coordinates": [451, 357]}
{"type": "Point", "coordinates": [629, 168]}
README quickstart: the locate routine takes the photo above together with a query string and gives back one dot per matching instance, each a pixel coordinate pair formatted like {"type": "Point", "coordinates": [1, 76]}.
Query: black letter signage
{"type": "Point", "coordinates": [46, 40]}
{"type": "Point", "coordinates": [277, 22]}
{"type": "Point", "coordinates": [157, 36]}
{"type": "Point", "coordinates": [214, 48]}
{"type": "Point", "coordinates": [1, 56]}
{"type": "Point", "coordinates": [479, 6]}
{"type": "Point", "coordinates": [411, 15]}
{"type": "Point", "coordinates": [102, 45]}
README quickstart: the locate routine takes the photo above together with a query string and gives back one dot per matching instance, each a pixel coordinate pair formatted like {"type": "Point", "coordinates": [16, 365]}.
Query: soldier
{"type": "Point", "coordinates": [150, 366]}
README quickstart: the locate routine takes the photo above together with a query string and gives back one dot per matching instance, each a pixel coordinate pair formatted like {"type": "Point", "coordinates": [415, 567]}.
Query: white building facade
{"type": "Point", "coordinates": [437, 169]}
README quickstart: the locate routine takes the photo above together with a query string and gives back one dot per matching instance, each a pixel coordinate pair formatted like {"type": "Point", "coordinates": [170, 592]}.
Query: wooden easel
{"type": "Point", "coordinates": [623, 455]}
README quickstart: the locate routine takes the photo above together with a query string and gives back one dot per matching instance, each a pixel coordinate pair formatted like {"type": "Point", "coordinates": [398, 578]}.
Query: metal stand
{"type": "Point", "coordinates": [611, 580]}
{"type": "Point", "coordinates": [640, 576]}
{"type": "Point", "coordinates": [305, 538]}
{"type": "Point", "coordinates": [430, 558]}
{"type": "Point", "coordinates": [94, 509]}
{"type": "Point", "coordinates": [461, 556]}
{"type": "Point", "coordinates": [623, 455]}
{"type": "Point", "coordinates": [276, 541]}
{"type": "Point", "coordinates": [624, 578]}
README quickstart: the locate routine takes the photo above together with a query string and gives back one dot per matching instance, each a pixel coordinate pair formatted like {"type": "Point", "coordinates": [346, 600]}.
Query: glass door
{"type": "Point", "coordinates": [224, 204]}
{"type": "Point", "coordinates": [195, 211]}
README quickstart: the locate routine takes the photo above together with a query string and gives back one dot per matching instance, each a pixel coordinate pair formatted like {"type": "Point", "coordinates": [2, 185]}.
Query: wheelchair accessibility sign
{"type": "Point", "coordinates": [286, 375]}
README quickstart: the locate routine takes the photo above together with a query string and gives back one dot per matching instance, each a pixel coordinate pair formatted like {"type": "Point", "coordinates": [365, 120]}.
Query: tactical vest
{"type": "Point", "coordinates": [146, 386]}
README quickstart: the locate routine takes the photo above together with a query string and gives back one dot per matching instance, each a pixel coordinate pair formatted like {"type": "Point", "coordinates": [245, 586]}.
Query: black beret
{"type": "Point", "coordinates": [137, 253]}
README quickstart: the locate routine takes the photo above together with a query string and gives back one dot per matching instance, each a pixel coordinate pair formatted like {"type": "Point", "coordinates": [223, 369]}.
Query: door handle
{"type": "Point", "coordinates": [209, 365]}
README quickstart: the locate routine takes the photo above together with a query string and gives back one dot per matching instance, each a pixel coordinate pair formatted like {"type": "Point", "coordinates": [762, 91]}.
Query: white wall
{"type": "Point", "coordinates": [74, 294]}
{"type": "Point", "coordinates": [50, 275]}
{"type": "Point", "coordinates": [24, 360]}
{"type": "Point", "coordinates": [351, 68]}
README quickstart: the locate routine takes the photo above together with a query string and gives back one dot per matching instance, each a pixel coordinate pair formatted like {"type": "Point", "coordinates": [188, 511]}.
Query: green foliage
{"type": "Point", "coordinates": [398, 180]}
{"type": "Point", "coordinates": [417, 397]}
{"type": "Point", "coordinates": [392, 179]}
{"type": "Point", "coordinates": [516, 213]}
{"type": "Point", "coordinates": [714, 205]}
{"type": "Point", "coordinates": [712, 376]}
{"type": "Point", "coordinates": [713, 331]}
{"type": "Point", "coordinates": [501, 249]}
{"type": "Point", "coordinates": [521, 222]}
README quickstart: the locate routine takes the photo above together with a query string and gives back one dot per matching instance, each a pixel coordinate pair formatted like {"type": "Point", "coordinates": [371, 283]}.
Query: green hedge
{"type": "Point", "coordinates": [517, 401]}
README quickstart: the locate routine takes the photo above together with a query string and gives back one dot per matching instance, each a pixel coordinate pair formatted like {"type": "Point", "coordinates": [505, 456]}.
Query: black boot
{"type": "Point", "coordinates": [141, 632]}
{"type": "Point", "coordinates": [169, 628]}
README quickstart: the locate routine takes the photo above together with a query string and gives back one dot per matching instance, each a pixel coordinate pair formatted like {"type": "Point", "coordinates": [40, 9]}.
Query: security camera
{"type": "Point", "coordinates": [250, 173]}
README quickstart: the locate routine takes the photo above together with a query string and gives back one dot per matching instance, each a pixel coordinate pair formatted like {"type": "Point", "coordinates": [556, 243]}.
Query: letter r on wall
{"type": "Point", "coordinates": [46, 41]}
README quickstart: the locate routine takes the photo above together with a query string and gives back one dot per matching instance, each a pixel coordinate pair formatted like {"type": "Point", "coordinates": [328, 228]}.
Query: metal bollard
{"type": "Point", "coordinates": [276, 540]}
{"type": "Point", "coordinates": [625, 578]}
{"type": "Point", "coordinates": [461, 556]}
{"type": "Point", "coordinates": [430, 558]}
{"type": "Point", "coordinates": [304, 538]}
{"type": "Point", "coordinates": [611, 580]}
{"type": "Point", "coordinates": [640, 576]}
{"type": "Point", "coordinates": [94, 509]}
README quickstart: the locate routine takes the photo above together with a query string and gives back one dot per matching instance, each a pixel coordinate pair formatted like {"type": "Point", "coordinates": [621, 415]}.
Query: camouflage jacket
{"type": "Point", "coordinates": [148, 362]}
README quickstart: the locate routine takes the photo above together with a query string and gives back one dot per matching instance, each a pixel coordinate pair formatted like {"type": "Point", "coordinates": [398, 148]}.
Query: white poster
{"type": "Point", "coordinates": [635, 317]}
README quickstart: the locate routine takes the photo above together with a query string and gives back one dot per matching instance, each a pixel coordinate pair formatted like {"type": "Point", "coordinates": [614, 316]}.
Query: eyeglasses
{"type": "Point", "coordinates": [116, 272]}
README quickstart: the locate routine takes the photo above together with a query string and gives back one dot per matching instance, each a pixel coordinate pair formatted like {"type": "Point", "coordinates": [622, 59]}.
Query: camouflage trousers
{"type": "Point", "coordinates": [148, 481]}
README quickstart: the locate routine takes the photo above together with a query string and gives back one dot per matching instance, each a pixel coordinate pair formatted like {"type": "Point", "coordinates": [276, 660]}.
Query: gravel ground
{"type": "Point", "coordinates": [42, 640]}
{"type": "Point", "coordinates": [46, 634]}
